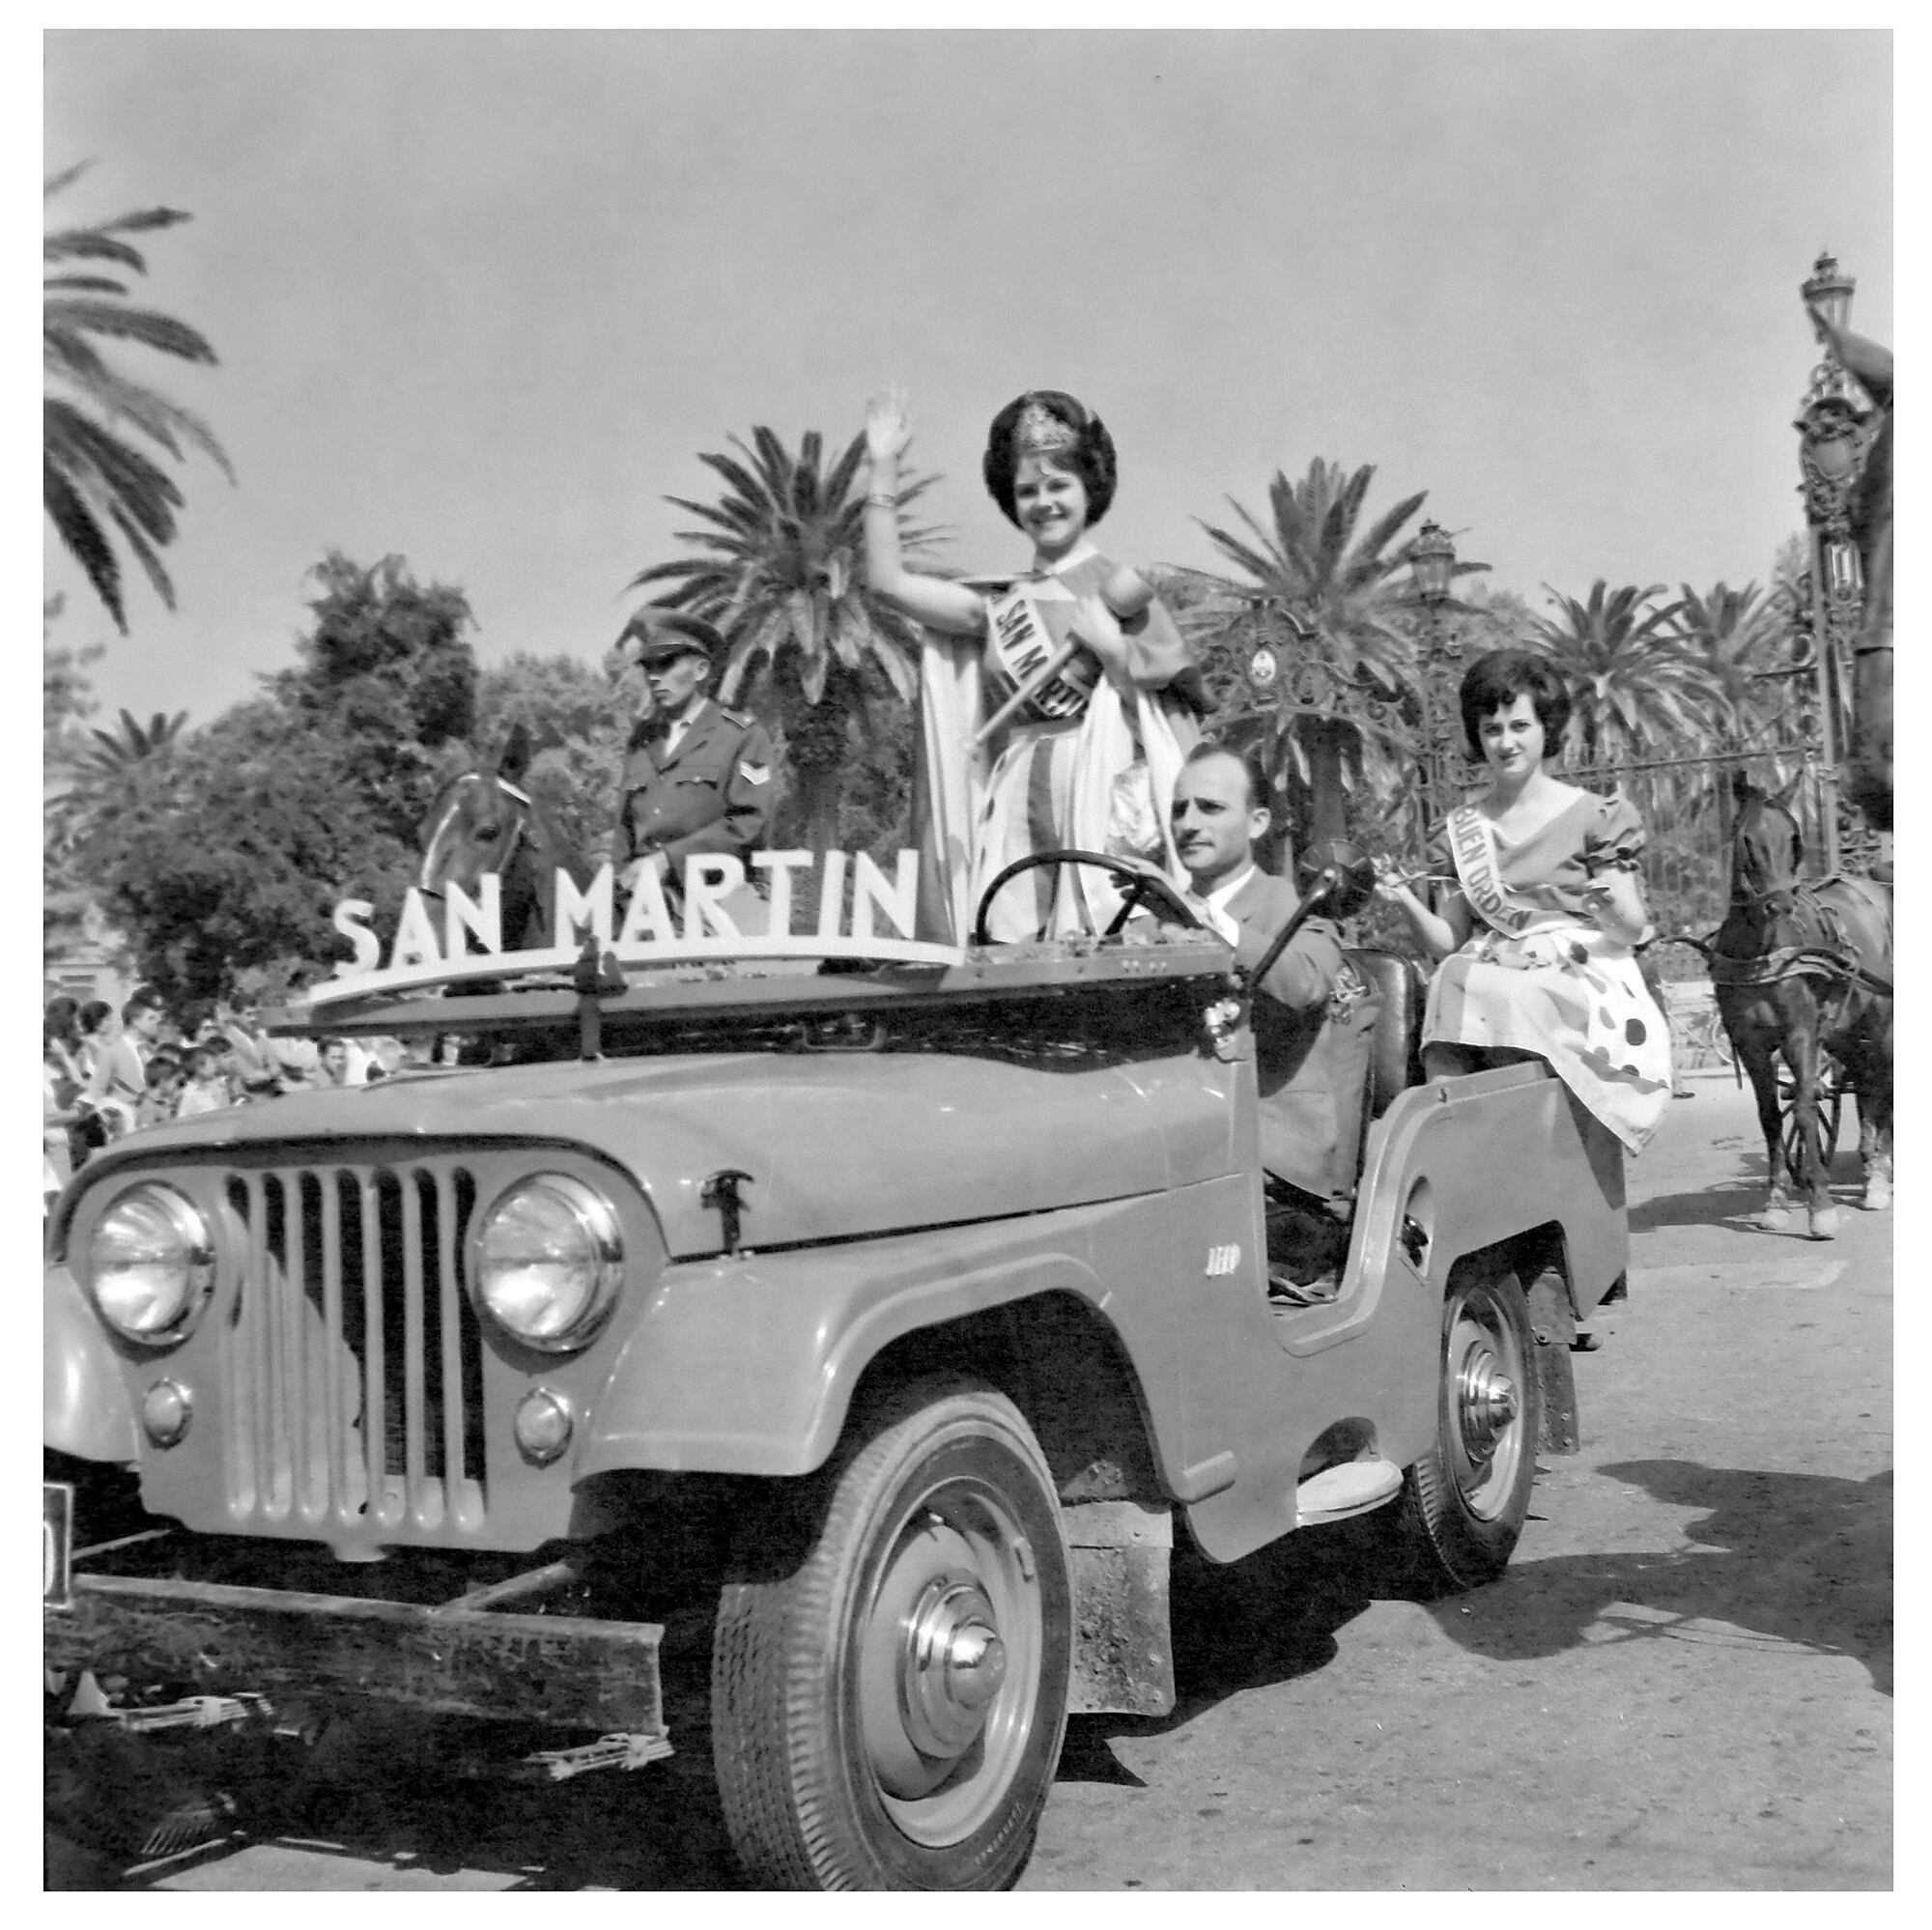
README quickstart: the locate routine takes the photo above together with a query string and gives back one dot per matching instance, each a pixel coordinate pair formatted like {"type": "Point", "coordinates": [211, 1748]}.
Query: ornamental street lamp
{"type": "Point", "coordinates": [1431, 565]}
{"type": "Point", "coordinates": [1828, 287]}
{"type": "Point", "coordinates": [1833, 437]}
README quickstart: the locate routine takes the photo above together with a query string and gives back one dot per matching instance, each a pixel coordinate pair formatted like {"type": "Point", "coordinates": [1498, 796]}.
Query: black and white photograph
{"type": "Point", "coordinates": [967, 954]}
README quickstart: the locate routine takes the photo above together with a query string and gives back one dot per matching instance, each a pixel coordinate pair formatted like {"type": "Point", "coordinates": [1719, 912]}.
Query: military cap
{"type": "Point", "coordinates": [670, 632]}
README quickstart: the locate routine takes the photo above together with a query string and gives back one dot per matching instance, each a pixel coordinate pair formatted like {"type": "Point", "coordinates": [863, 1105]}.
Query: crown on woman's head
{"type": "Point", "coordinates": [1041, 433]}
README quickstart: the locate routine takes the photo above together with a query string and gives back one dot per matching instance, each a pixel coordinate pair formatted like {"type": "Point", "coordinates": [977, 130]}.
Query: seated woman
{"type": "Point", "coordinates": [1089, 756]}
{"type": "Point", "coordinates": [1537, 933]}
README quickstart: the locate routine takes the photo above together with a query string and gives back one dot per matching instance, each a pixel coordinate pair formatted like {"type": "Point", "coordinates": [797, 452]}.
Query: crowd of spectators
{"type": "Point", "coordinates": [106, 1073]}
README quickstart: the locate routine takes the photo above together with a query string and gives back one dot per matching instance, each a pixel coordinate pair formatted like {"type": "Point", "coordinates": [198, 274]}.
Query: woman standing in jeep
{"type": "Point", "coordinates": [1064, 720]}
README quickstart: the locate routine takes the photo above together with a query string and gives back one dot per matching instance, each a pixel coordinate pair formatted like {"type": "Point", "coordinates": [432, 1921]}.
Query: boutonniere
{"type": "Point", "coordinates": [1221, 1021]}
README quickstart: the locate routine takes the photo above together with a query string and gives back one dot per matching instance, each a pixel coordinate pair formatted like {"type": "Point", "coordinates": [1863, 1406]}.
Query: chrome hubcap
{"type": "Point", "coordinates": [1487, 1400]}
{"type": "Point", "coordinates": [1483, 1401]}
{"type": "Point", "coordinates": [951, 1667]}
{"type": "Point", "coordinates": [949, 1662]}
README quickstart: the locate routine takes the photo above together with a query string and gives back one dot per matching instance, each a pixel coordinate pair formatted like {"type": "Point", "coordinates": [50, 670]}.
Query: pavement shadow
{"type": "Point", "coordinates": [1736, 1202]}
{"type": "Point", "coordinates": [373, 1794]}
{"type": "Point", "coordinates": [1729, 1205]}
{"type": "Point", "coordinates": [1269, 1618]}
{"type": "Point", "coordinates": [1797, 1560]}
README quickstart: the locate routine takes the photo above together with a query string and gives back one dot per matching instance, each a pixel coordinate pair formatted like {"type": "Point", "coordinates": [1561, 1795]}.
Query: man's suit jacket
{"type": "Point", "coordinates": [1314, 1025]}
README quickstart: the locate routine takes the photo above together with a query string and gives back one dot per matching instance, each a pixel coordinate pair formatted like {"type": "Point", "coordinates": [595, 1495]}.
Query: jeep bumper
{"type": "Point", "coordinates": [448, 1660]}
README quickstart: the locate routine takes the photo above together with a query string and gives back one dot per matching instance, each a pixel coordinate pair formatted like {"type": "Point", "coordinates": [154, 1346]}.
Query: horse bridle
{"type": "Point", "coordinates": [507, 790]}
{"type": "Point", "coordinates": [1740, 894]}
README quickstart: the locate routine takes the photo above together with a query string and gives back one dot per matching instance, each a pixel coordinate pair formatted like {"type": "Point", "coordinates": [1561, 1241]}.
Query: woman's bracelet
{"type": "Point", "coordinates": [879, 500]}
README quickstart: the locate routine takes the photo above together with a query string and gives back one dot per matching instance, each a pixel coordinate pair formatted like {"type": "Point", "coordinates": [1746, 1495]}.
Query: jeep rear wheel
{"type": "Point", "coordinates": [1463, 1504]}
{"type": "Point", "coordinates": [888, 1714]}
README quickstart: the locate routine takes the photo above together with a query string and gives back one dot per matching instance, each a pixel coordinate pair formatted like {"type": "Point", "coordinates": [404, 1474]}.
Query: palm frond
{"type": "Point", "coordinates": [1368, 549]}
{"type": "Point", "coordinates": [89, 244]}
{"type": "Point", "coordinates": [146, 326]}
{"type": "Point", "coordinates": [83, 539]}
{"type": "Point", "coordinates": [136, 540]}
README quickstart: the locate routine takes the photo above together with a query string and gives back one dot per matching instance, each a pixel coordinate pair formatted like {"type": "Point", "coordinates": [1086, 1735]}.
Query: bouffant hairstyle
{"type": "Point", "coordinates": [1495, 681]}
{"type": "Point", "coordinates": [1090, 456]}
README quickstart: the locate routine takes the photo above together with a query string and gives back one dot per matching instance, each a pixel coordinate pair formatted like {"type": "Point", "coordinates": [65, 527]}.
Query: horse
{"type": "Point", "coordinates": [1801, 968]}
{"type": "Point", "coordinates": [483, 820]}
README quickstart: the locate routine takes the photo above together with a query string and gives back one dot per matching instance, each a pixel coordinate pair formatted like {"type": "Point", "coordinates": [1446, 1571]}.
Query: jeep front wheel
{"type": "Point", "coordinates": [1463, 1504]}
{"type": "Point", "coordinates": [887, 1715]}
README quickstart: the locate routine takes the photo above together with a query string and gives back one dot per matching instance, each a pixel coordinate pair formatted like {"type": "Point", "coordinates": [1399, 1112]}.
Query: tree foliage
{"type": "Point", "coordinates": [580, 720]}
{"type": "Point", "coordinates": [67, 702]}
{"type": "Point", "coordinates": [98, 485]}
{"type": "Point", "coordinates": [223, 853]}
{"type": "Point", "coordinates": [1638, 689]}
{"type": "Point", "coordinates": [825, 663]}
{"type": "Point", "coordinates": [1321, 594]}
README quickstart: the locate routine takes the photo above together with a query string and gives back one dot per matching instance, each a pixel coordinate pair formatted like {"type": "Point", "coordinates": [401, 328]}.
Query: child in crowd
{"type": "Point", "coordinates": [207, 1088]}
{"type": "Point", "coordinates": [156, 1105]}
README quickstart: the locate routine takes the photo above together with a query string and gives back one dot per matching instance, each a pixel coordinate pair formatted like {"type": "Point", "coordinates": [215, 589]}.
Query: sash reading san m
{"type": "Point", "coordinates": [1022, 645]}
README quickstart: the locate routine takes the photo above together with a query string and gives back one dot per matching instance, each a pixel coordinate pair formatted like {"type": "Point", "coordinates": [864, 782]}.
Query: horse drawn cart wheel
{"type": "Point", "coordinates": [1831, 1115]}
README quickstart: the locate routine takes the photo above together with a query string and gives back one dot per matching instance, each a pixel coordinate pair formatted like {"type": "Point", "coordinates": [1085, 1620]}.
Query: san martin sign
{"type": "Point", "coordinates": [864, 912]}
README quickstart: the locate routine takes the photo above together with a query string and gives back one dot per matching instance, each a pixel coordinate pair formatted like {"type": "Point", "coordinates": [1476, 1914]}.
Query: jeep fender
{"type": "Point", "coordinates": [1462, 1165]}
{"type": "Point", "coordinates": [84, 1398]}
{"type": "Point", "coordinates": [747, 1365]}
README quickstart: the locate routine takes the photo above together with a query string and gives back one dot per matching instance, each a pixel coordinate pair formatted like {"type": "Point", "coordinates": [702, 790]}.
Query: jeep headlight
{"type": "Point", "coordinates": [547, 1257]}
{"type": "Point", "coordinates": [151, 1263]}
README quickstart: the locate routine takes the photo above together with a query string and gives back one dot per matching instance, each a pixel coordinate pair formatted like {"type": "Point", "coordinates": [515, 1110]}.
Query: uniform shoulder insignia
{"type": "Point", "coordinates": [743, 718]}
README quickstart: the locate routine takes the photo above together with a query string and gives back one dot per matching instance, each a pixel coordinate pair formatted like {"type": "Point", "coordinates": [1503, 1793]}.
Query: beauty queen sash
{"type": "Point", "coordinates": [1472, 848]}
{"type": "Point", "coordinates": [1020, 644]}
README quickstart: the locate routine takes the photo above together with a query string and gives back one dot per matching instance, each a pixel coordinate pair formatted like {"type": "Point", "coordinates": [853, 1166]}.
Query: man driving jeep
{"type": "Point", "coordinates": [1314, 1021]}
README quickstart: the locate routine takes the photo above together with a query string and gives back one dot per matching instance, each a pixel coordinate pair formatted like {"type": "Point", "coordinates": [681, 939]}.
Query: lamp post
{"type": "Point", "coordinates": [1432, 564]}
{"type": "Point", "coordinates": [1832, 448]}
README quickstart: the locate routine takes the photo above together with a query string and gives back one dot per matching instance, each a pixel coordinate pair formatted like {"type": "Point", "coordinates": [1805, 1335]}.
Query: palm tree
{"type": "Point", "coordinates": [1638, 689]}
{"type": "Point", "coordinates": [103, 773]}
{"type": "Point", "coordinates": [1744, 639]}
{"type": "Point", "coordinates": [111, 752]}
{"type": "Point", "coordinates": [810, 646]}
{"type": "Point", "coordinates": [1323, 602]}
{"type": "Point", "coordinates": [94, 480]}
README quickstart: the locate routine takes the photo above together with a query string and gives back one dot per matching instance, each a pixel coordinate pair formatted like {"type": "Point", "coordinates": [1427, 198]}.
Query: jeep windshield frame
{"type": "Point", "coordinates": [678, 992]}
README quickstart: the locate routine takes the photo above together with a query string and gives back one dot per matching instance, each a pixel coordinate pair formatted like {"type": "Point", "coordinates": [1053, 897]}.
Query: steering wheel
{"type": "Point", "coordinates": [1137, 885]}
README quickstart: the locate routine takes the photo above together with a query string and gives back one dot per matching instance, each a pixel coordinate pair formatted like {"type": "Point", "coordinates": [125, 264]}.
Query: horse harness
{"type": "Point", "coordinates": [1825, 946]}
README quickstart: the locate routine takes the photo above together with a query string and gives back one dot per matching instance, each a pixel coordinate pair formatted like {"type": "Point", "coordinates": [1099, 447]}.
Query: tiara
{"type": "Point", "coordinates": [1041, 433]}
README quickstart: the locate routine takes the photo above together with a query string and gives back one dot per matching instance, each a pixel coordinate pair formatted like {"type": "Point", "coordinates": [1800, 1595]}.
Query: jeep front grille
{"type": "Point", "coordinates": [352, 1350]}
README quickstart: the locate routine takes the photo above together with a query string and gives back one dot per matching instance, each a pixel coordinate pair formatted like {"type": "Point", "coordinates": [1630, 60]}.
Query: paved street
{"type": "Point", "coordinates": [1684, 1682]}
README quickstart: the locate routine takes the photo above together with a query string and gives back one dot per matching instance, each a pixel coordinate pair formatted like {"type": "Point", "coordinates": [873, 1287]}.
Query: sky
{"type": "Point", "coordinates": [482, 299]}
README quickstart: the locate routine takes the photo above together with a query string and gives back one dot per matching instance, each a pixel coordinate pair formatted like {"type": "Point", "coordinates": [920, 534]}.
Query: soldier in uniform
{"type": "Point", "coordinates": [698, 778]}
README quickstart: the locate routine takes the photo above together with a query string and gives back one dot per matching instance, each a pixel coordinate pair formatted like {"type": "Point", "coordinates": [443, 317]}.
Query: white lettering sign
{"type": "Point", "coordinates": [709, 878]}
{"type": "Point", "coordinates": [416, 936]}
{"type": "Point", "coordinates": [580, 913]}
{"type": "Point", "coordinates": [463, 918]}
{"type": "Point", "coordinates": [727, 916]}
{"type": "Point", "coordinates": [647, 919]}
{"type": "Point", "coordinates": [352, 920]}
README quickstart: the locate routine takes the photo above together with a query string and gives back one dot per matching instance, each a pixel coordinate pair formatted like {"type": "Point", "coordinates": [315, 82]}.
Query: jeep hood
{"type": "Point", "coordinates": [835, 1144]}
